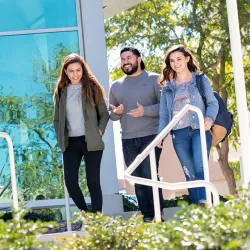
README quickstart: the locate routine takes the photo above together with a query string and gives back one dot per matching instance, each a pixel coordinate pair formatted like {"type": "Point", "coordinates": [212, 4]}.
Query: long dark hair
{"type": "Point", "coordinates": [89, 82]}
{"type": "Point", "coordinates": [167, 72]}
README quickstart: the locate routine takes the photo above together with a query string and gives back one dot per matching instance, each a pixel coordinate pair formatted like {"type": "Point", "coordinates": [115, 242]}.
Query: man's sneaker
{"type": "Point", "coordinates": [147, 219]}
{"type": "Point", "coordinates": [162, 216]}
{"type": "Point", "coordinates": [203, 203]}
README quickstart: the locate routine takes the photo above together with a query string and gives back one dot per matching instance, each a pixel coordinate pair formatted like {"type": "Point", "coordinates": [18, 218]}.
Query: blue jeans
{"type": "Point", "coordinates": [187, 146]}
{"type": "Point", "coordinates": [131, 148]}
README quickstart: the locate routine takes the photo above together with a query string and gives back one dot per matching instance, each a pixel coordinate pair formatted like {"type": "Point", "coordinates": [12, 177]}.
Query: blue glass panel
{"type": "Point", "coordinates": [36, 14]}
{"type": "Point", "coordinates": [29, 72]}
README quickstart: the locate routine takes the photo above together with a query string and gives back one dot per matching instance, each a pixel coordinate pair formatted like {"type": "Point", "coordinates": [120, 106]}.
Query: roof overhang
{"type": "Point", "coordinates": [113, 7]}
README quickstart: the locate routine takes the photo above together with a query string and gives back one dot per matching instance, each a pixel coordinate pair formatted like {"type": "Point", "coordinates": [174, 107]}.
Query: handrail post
{"type": "Point", "coordinates": [204, 155]}
{"type": "Point", "coordinates": [155, 189]}
{"type": "Point", "coordinates": [12, 169]}
{"type": "Point", "coordinates": [67, 202]}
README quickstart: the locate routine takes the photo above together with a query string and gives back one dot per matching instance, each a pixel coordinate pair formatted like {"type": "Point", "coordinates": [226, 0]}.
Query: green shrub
{"type": "Point", "coordinates": [109, 233]}
{"type": "Point", "coordinates": [235, 166]}
{"type": "Point", "coordinates": [177, 201]}
{"type": "Point", "coordinates": [129, 203]}
{"type": "Point", "coordinates": [19, 234]}
{"type": "Point", "coordinates": [221, 227]}
{"type": "Point", "coordinates": [224, 227]}
{"type": "Point", "coordinates": [46, 215]}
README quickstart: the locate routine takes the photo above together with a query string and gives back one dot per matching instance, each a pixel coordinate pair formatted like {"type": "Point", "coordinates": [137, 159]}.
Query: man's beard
{"type": "Point", "coordinates": [132, 71]}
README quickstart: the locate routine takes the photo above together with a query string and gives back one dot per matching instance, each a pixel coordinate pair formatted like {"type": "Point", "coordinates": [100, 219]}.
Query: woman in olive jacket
{"type": "Point", "coordinates": [80, 119]}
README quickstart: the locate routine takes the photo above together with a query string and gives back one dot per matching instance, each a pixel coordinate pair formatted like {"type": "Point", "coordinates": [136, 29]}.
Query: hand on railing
{"type": "Point", "coordinates": [160, 145]}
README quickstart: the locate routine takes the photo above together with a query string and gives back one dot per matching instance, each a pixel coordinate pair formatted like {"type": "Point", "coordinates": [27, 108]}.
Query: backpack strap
{"type": "Point", "coordinates": [200, 87]}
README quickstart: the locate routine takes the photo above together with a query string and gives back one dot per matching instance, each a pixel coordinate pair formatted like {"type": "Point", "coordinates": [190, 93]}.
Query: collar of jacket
{"type": "Point", "coordinates": [65, 91]}
{"type": "Point", "coordinates": [170, 86]}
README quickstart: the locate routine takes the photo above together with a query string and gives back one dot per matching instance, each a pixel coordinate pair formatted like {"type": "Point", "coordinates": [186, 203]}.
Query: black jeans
{"type": "Point", "coordinates": [144, 194]}
{"type": "Point", "coordinates": [72, 157]}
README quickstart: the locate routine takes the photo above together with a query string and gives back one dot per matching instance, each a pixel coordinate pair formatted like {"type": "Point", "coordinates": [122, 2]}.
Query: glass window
{"type": "Point", "coordinates": [28, 76]}
{"type": "Point", "coordinates": [36, 14]}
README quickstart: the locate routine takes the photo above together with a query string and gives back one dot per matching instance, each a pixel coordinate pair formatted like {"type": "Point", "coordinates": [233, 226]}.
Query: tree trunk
{"type": "Point", "coordinates": [223, 150]}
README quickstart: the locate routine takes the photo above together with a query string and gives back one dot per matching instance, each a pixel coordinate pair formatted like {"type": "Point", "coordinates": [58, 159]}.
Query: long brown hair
{"type": "Point", "coordinates": [89, 82]}
{"type": "Point", "coordinates": [167, 72]}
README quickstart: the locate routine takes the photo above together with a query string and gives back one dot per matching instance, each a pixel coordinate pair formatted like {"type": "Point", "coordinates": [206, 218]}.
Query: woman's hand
{"type": "Point", "coordinates": [160, 144]}
{"type": "Point", "coordinates": [101, 132]}
{"type": "Point", "coordinates": [208, 122]}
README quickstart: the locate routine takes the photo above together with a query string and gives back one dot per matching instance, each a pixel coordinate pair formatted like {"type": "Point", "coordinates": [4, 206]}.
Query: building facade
{"type": "Point", "coordinates": [35, 35]}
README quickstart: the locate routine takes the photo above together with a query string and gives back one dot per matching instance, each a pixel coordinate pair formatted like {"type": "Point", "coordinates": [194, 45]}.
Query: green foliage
{"type": "Point", "coordinates": [178, 201]}
{"type": "Point", "coordinates": [45, 215]}
{"type": "Point", "coordinates": [19, 234]}
{"type": "Point", "coordinates": [235, 166]}
{"type": "Point", "coordinates": [222, 227]}
{"type": "Point", "coordinates": [129, 203]}
{"type": "Point", "coordinates": [225, 227]}
{"type": "Point", "coordinates": [109, 233]}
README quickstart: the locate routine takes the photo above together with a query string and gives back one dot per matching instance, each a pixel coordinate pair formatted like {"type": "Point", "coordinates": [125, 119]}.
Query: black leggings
{"type": "Point", "coordinates": [72, 157]}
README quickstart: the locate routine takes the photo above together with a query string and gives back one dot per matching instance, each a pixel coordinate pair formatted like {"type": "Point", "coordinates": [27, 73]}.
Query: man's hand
{"type": "Point", "coordinates": [137, 112]}
{"type": "Point", "coordinates": [117, 110]}
{"type": "Point", "coordinates": [208, 122]}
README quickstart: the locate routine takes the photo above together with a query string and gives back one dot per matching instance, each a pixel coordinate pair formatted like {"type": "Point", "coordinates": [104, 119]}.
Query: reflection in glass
{"type": "Point", "coordinates": [28, 77]}
{"type": "Point", "coordinates": [36, 14]}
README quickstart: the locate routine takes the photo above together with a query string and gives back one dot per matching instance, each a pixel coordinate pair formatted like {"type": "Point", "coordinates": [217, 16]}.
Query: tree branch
{"type": "Point", "coordinates": [2, 169]}
{"type": "Point", "coordinates": [5, 188]}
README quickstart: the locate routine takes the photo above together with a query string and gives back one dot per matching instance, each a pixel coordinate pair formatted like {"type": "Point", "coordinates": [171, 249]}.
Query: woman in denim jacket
{"type": "Point", "coordinates": [179, 80]}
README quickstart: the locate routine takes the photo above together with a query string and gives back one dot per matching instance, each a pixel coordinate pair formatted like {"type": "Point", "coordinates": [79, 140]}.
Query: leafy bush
{"type": "Point", "coordinates": [130, 204]}
{"type": "Point", "coordinates": [52, 214]}
{"type": "Point", "coordinates": [109, 233]}
{"type": "Point", "coordinates": [177, 201]}
{"type": "Point", "coordinates": [224, 227]}
{"type": "Point", "coordinates": [194, 227]}
{"type": "Point", "coordinates": [19, 234]}
{"type": "Point", "coordinates": [235, 166]}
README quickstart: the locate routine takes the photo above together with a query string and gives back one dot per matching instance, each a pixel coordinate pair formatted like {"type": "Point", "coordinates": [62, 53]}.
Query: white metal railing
{"type": "Point", "coordinates": [12, 169]}
{"type": "Point", "coordinates": [14, 186]}
{"type": "Point", "coordinates": [154, 183]}
{"type": "Point", "coordinates": [67, 202]}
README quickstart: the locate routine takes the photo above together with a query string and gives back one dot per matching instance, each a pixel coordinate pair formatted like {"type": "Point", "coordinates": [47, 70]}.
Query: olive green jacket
{"type": "Point", "coordinates": [92, 136]}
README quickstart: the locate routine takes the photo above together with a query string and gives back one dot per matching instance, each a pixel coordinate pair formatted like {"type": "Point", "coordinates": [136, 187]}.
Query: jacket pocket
{"type": "Point", "coordinates": [93, 138]}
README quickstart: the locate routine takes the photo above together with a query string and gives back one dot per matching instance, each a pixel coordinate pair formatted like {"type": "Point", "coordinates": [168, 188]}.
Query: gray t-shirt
{"type": "Point", "coordinates": [74, 113]}
{"type": "Point", "coordinates": [129, 90]}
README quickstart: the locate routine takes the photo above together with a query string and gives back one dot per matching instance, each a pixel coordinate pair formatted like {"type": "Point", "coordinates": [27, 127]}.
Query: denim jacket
{"type": "Point", "coordinates": [167, 98]}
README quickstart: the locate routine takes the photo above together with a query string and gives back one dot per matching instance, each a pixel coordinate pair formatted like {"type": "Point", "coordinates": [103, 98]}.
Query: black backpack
{"type": "Point", "coordinates": [224, 118]}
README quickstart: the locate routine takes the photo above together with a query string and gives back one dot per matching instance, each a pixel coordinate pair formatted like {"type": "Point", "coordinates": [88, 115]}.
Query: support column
{"type": "Point", "coordinates": [96, 57]}
{"type": "Point", "coordinates": [240, 89]}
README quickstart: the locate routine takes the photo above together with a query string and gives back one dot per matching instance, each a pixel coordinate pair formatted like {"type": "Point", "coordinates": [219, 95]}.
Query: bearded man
{"type": "Point", "coordinates": [134, 100]}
